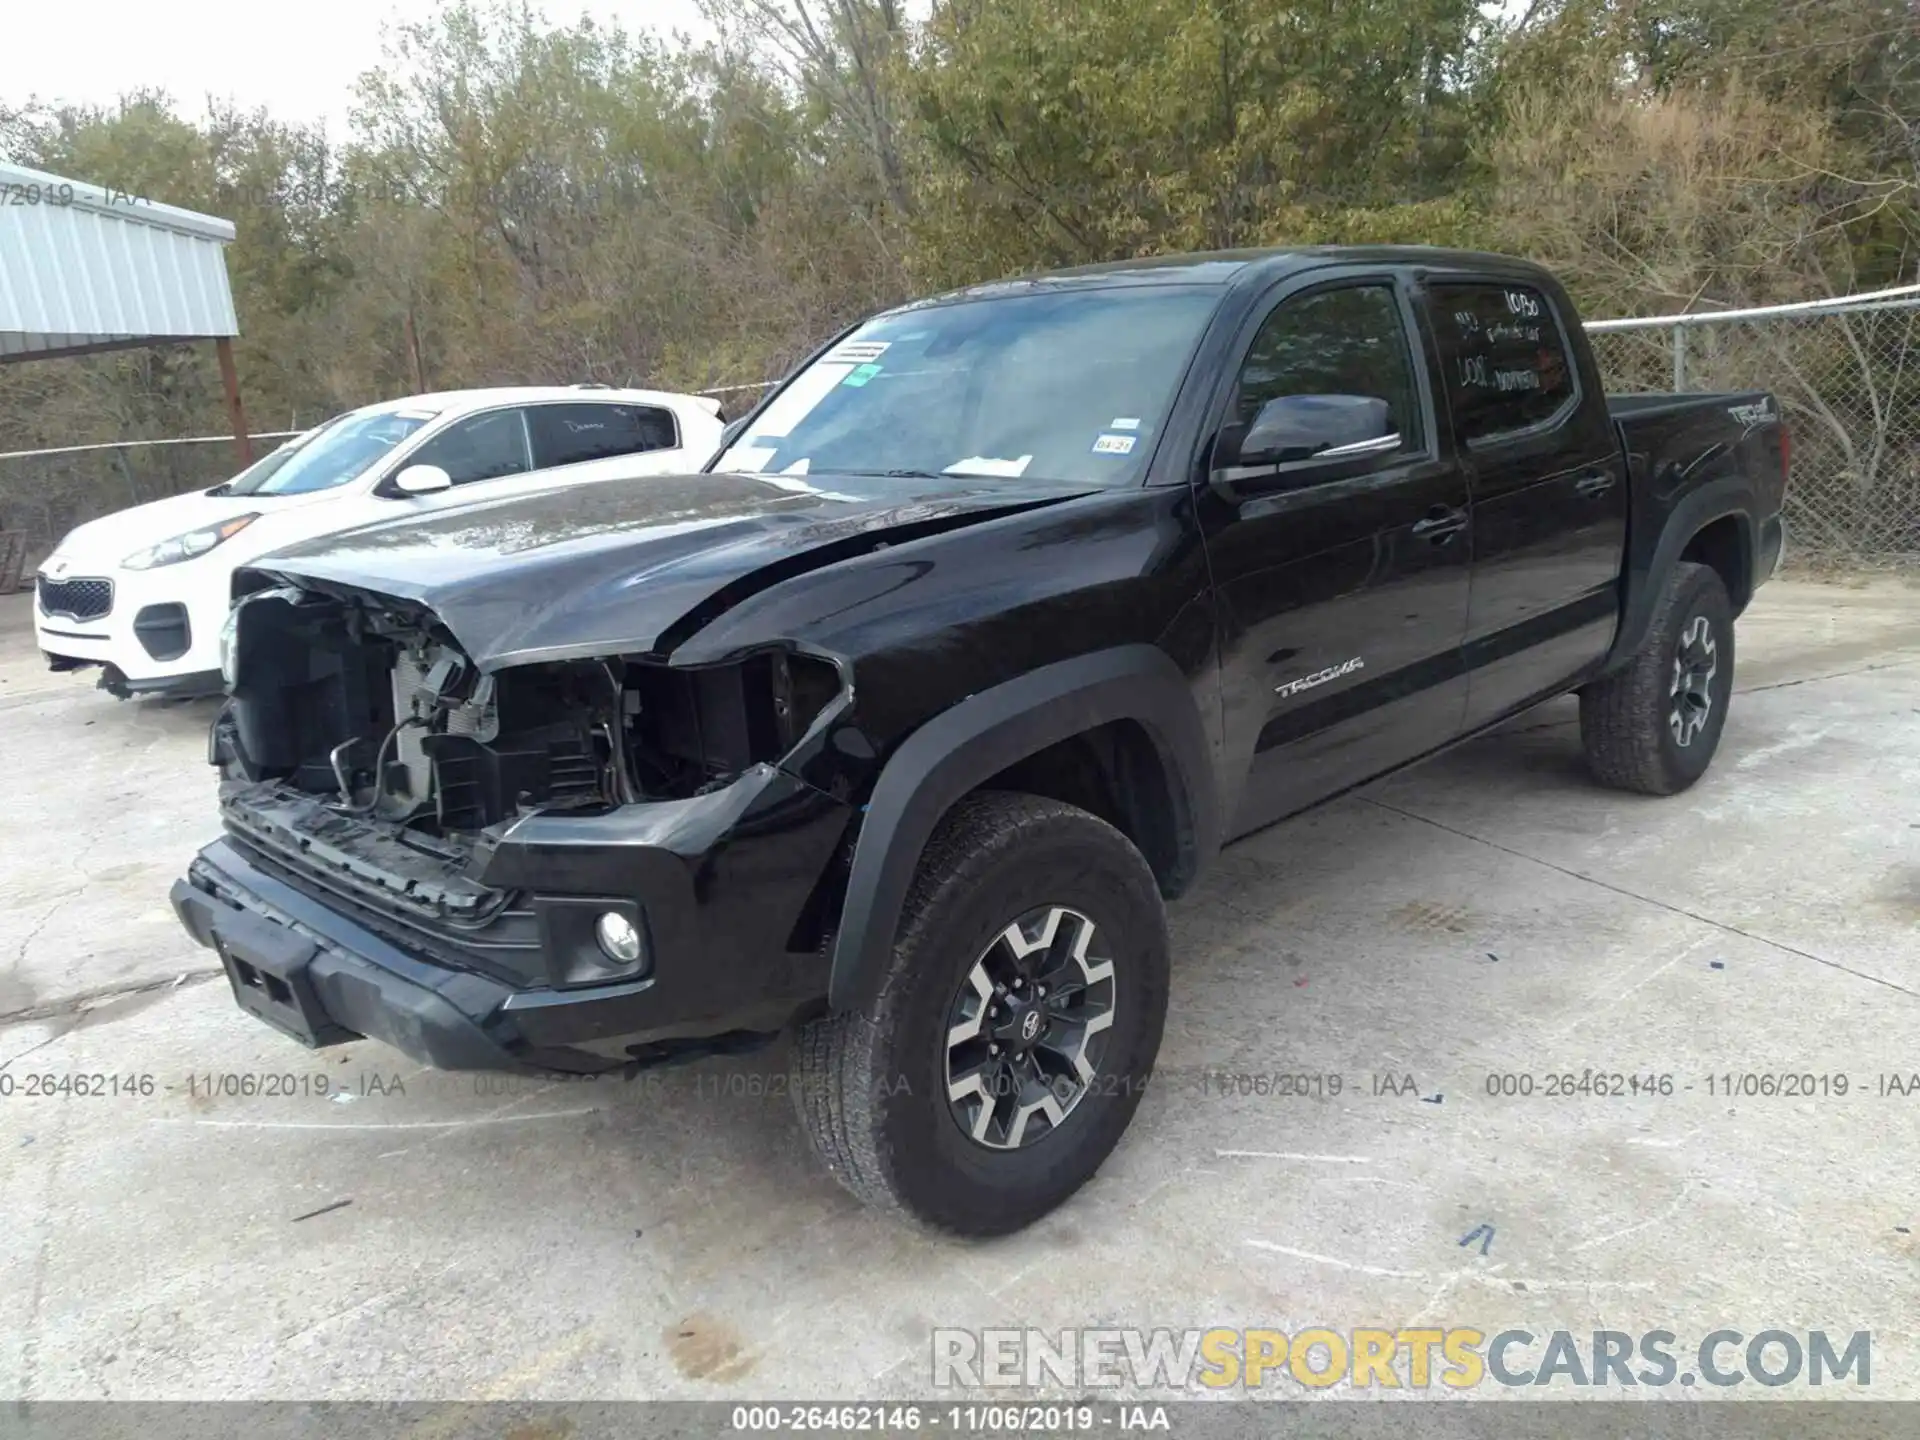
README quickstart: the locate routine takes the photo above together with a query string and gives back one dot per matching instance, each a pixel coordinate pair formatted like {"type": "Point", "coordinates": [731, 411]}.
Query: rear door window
{"type": "Point", "coordinates": [1503, 357]}
{"type": "Point", "coordinates": [571, 433]}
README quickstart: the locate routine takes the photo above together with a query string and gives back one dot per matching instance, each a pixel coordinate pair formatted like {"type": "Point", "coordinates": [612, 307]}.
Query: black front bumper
{"type": "Point", "coordinates": [720, 901]}
{"type": "Point", "coordinates": [322, 979]}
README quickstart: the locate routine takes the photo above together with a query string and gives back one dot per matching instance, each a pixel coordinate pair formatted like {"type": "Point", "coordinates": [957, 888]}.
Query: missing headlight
{"type": "Point", "coordinates": [803, 686]}
{"type": "Point", "coordinates": [693, 727]}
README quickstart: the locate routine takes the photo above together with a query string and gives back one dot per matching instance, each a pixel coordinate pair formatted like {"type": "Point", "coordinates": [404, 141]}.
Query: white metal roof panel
{"type": "Point", "coordinates": [84, 267]}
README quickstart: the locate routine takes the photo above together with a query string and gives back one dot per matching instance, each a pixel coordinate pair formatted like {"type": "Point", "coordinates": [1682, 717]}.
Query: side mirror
{"type": "Point", "coordinates": [422, 480]}
{"type": "Point", "coordinates": [732, 431]}
{"type": "Point", "coordinates": [1291, 429]}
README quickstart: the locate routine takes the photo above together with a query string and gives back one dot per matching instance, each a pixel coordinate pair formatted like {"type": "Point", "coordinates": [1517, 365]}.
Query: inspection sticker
{"type": "Point", "coordinates": [861, 375]}
{"type": "Point", "coordinates": [1113, 445]}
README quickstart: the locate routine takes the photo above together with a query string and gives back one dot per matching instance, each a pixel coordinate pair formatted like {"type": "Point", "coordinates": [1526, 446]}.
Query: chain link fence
{"type": "Point", "coordinates": [1847, 375]}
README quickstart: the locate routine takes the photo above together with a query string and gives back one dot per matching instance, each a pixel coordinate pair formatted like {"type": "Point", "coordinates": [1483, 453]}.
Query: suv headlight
{"type": "Point", "coordinates": [185, 547]}
{"type": "Point", "coordinates": [229, 634]}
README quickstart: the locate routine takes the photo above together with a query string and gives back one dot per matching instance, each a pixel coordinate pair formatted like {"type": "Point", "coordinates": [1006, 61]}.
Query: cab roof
{"type": "Point", "coordinates": [444, 401]}
{"type": "Point", "coordinates": [1222, 268]}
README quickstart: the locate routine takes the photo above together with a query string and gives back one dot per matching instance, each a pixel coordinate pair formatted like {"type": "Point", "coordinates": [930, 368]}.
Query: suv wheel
{"type": "Point", "coordinates": [1015, 1028]}
{"type": "Point", "coordinates": [1653, 727]}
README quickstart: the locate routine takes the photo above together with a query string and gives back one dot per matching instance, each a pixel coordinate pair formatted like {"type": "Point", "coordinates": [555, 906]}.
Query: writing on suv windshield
{"type": "Point", "coordinates": [1066, 384]}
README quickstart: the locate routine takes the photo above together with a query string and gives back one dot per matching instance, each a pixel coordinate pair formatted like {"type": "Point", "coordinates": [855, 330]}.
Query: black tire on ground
{"type": "Point", "coordinates": [871, 1087]}
{"type": "Point", "coordinates": [1640, 732]}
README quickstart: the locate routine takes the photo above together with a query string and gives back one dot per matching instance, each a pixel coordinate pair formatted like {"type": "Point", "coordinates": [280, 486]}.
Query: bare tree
{"type": "Point", "coordinates": [843, 53]}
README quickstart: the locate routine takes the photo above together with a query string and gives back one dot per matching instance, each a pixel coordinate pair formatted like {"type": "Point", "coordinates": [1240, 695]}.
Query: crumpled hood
{"type": "Point", "coordinates": [628, 567]}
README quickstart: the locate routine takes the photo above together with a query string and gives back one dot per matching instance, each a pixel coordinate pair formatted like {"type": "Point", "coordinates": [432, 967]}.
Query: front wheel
{"type": "Point", "coordinates": [1015, 1028]}
{"type": "Point", "coordinates": [1653, 727]}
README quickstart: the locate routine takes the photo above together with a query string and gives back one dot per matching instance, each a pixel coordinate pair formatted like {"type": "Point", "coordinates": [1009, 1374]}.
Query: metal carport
{"type": "Point", "coordinates": [86, 268]}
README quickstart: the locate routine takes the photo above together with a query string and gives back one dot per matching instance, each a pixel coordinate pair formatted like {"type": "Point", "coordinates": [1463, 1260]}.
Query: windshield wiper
{"type": "Point", "coordinates": [893, 474]}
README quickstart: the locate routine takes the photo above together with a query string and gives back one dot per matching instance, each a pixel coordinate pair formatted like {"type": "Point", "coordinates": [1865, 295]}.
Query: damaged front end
{"type": "Point", "coordinates": [371, 702]}
{"type": "Point", "coordinates": [606, 851]}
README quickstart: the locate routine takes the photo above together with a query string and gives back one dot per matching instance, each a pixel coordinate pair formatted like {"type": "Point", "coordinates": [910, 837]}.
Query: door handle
{"type": "Point", "coordinates": [1592, 485]}
{"type": "Point", "coordinates": [1443, 522]}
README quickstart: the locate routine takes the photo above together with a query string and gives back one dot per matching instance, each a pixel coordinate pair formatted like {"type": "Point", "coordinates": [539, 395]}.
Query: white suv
{"type": "Point", "coordinates": [143, 593]}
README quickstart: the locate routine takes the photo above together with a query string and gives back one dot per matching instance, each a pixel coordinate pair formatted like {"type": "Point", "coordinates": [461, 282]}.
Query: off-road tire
{"type": "Point", "coordinates": [1625, 719]}
{"type": "Point", "coordinates": [870, 1086]}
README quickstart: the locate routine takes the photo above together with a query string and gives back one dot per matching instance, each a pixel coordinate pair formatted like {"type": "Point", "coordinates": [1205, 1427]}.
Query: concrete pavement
{"type": "Point", "coordinates": [1487, 917]}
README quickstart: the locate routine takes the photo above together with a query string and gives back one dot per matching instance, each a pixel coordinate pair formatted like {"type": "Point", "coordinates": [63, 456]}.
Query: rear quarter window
{"type": "Point", "coordinates": [1503, 357]}
{"type": "Point", "coordinates": [570, 434]}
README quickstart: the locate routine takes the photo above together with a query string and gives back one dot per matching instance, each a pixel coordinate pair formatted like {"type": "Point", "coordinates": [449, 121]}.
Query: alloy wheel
{"type": "Point", "coordinates": [1026, 1031]}
{"type": "Point", "coordinates": [1695, 662]}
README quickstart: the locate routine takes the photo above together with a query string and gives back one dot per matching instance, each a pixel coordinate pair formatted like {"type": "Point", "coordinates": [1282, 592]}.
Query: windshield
{"type": "Point", "coordinates": [1061, 385]}
{"type": "Point", "coordinates": [339, 451]}
{"type": "Point", "coordinates": [248, 479]}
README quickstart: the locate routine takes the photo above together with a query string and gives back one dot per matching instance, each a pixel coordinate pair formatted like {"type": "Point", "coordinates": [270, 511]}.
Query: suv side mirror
{"type": "Point", "coordinates": [422, 480]}
{"type": "Point", "coordinates": [1291, 429]}
{"type": "Point", "coordinates": [732, 431]}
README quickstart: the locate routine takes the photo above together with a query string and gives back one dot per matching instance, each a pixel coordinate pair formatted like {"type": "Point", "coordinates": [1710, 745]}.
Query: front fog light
{"type": "Point", "coordinates": [591, 940]}
{"type": "Point", "coordinates": [618, 937]}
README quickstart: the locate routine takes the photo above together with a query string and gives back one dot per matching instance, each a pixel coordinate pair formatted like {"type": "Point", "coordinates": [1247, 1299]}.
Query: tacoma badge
{"type": "Point", "coordinates": [1320, 677]}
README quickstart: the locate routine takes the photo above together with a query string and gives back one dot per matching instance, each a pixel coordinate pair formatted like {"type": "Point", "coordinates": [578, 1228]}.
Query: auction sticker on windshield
{"type": "Point", "coordinates": [798, 401]}
{"type": "Point", "coordinates": [988, 465]}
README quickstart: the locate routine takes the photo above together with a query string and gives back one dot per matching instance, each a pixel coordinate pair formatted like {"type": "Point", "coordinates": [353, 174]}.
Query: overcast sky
{"type": "Point", "coordinates": [299, 61]}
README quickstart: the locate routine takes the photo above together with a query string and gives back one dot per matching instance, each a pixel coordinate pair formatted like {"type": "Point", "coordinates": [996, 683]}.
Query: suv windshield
{"type": "Point", "coordinates": [339, 451]}
{"type": "Point", "coordinates": [1066, 384]}
{"type": "Point", "coordinates": [248, 481]}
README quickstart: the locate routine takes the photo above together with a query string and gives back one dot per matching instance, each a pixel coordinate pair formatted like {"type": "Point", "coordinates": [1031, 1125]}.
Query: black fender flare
{"type": "Point", "coordinates": [985, 733]}
{"type": "Point", "coordinates": [1715, 500]}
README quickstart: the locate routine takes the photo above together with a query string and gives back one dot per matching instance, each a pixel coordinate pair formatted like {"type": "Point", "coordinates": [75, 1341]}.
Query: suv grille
{"type": "Point", "coordinates": [76, 599]}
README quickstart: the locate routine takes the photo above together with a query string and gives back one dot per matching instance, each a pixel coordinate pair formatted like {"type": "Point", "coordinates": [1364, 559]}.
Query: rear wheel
{"type": "Point", "coordinates": [1015, 1028]}
{"type": "Point", "coordinates": [1654, 726]}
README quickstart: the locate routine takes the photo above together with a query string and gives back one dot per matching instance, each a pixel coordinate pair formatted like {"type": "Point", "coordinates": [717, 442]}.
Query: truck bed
{"type": "Point", "coordinates": [1680, 445]}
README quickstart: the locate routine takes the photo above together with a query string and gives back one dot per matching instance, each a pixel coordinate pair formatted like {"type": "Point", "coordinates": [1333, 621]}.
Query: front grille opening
{"type": "Point", "coordinates": [82, 598]}
{"type": "Point", "coordinates": [505, 944]}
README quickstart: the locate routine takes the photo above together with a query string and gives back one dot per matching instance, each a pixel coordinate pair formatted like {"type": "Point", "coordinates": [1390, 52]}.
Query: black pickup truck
{"type": "Point", "coordinates": [893, 729]}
